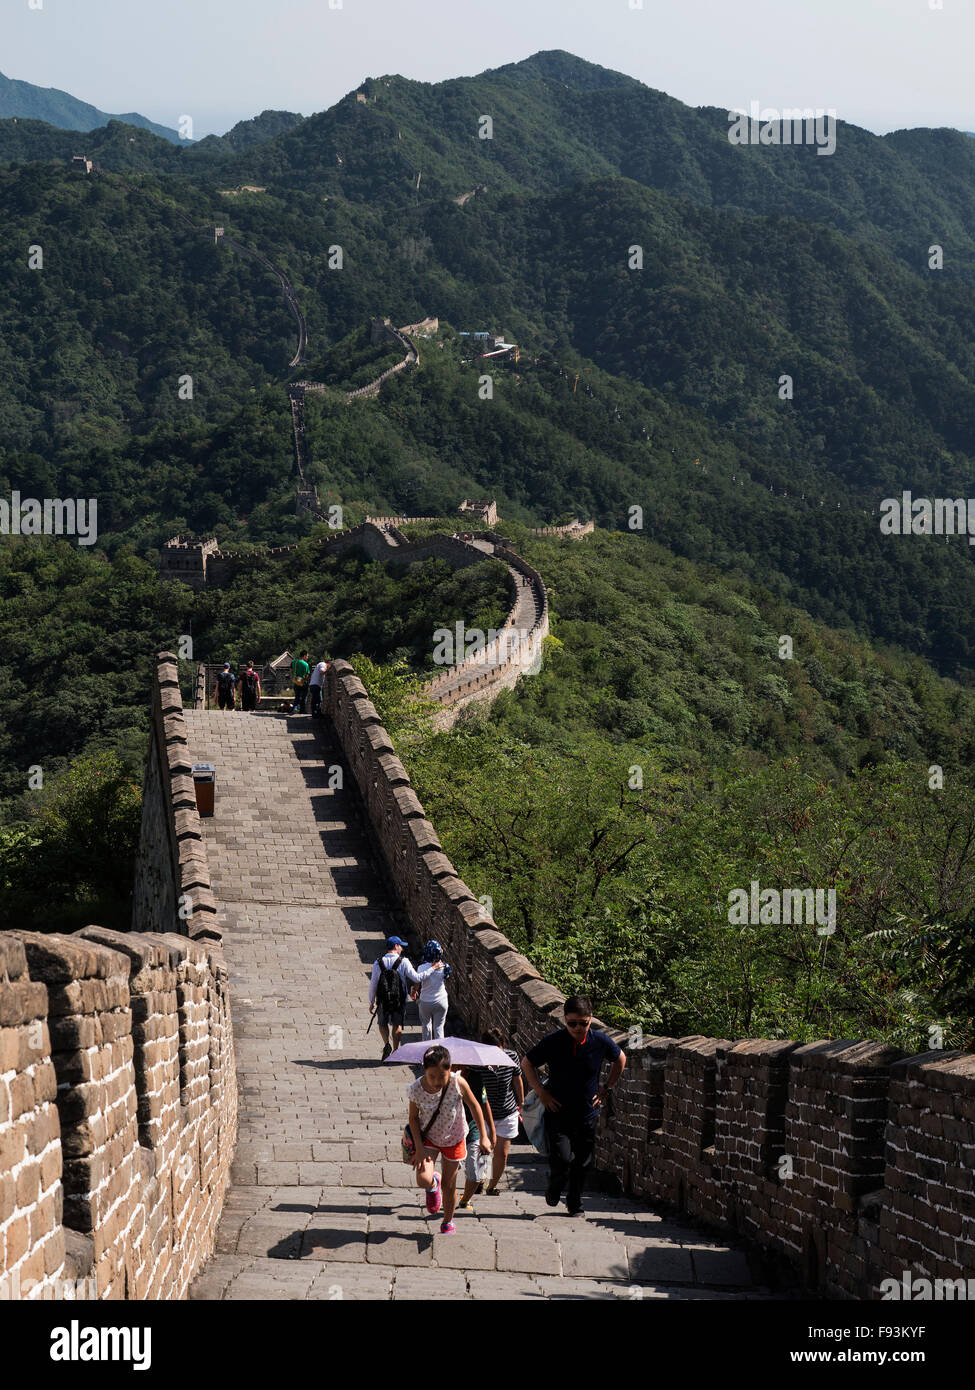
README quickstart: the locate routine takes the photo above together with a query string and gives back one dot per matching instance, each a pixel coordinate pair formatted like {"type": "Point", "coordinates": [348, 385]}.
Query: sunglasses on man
{"type": "Point", "coordinates": [577, 1022]}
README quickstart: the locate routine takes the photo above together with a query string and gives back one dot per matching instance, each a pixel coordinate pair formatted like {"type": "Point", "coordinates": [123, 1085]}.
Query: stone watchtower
{"type": "Point", "coordinates": [483, 510]}
{"type": "Point", "coordinates": [186, 560]}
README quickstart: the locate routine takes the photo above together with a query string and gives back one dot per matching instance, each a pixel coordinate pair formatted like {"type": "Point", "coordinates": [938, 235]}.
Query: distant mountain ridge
{"type": "Point", "coordinates": [25, 101]}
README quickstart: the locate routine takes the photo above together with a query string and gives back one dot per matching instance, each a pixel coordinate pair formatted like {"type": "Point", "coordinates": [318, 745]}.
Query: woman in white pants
{"type": "Point", "coordinates": [432, 1006]}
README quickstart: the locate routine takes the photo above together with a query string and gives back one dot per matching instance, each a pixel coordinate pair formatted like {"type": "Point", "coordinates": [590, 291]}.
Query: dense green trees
{"type": "Point", "coordinates": [667, 756]}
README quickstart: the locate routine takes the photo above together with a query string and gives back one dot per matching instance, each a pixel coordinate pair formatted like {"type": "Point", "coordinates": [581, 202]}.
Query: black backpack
{"type": "Point", "coordinates": [250, 682]}
{"type": "Point", "coordinates": [225, 682]}
{"type": "Point", "coordinates": [390, 991]}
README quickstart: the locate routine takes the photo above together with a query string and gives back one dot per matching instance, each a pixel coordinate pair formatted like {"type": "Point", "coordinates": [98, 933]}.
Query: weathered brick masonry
{"type": "Point", "coordinates": [118, 1095]}
{"type": "Point", "coordinates": [850, 1160]}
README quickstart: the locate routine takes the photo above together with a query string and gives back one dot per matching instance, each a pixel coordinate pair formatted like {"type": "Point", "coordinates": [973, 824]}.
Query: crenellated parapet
{"type": "Point", "coordinates": [118, 1112]}
{"type": "Point", "coordinates": [172, 889]}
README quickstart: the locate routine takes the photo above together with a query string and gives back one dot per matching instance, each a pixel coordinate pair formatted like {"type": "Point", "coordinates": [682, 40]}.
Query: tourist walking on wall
{"type": "Point", "coordinates": [250, 688]}
{"type": "Point", "coordinates": [223, 691]}
{"type": "Point", "coordinates": [504, 1093]}
{"type": "Point", "coordinates": [572, 1096]}
{"type": "Point", "coordinates": [432, 1004]}
{"type": "Point", "coordinates": [438, 1126]}
{"type": "Point", "coordinates": [317, 686]}
{"type": "Point", "coordinates": [300, 671]}
{"type": "Point", "coordinates": [387, 992]}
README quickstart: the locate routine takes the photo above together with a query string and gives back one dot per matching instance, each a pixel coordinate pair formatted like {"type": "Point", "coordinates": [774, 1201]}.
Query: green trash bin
{"type": "Point", "coordinates": [204, 784]}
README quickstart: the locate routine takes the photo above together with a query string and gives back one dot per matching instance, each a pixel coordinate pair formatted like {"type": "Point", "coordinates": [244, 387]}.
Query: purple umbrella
{"type": "Point", "coordinates": [464, 1052]}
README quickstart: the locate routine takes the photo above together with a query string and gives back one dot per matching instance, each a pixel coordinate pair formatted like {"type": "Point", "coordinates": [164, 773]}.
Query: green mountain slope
{"type": "Point", "coordinates": [24, 100]}
{"type": "Point", "coordinates": [557, 120]}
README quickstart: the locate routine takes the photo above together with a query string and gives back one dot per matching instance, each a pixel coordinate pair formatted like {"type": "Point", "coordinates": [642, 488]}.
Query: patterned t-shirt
{"type": "Point", "coordinates": [450, 1125]}
{"type": "Point", "coordinates": [498, 1085]}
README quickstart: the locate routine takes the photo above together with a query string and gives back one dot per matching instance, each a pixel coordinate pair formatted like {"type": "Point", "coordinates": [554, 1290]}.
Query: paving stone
{"type": "Point", "coordinates": [363, 1174]}
{"type": "Point", "coordinates": [484, 1285]}
{"type": "Point", "coordinates": [560, 1289]}
{"type": "Point", "coordinates": [466, 1249]}
{"type": "Point", "coordinates": [398, 1175]}
{"type": "Point", "coordinates": [371, 1150]}
{"type": "Point", "coordinates": [325, 1174]}
{"type": "Point", "coordinates": [587, 1256]}
{"type": "Point", "coordinates": [273, 1242]}
{"type": "Point", "coordinates": [274, 1174]}
{"type": "Point", "coordinates": [342, 1282]}
{"type": "Point", "coordinates": [343, 1243]}
{"type": "Point", "coordinates": [714, 1265]}
{"type": "Point", "coordinates": [329, 1152]}
{"type": "Point", "coordinates": [526, 1256]}
{"type": "Point", "coordinates": [284, 1153]}
{"type": "Point", "coordinates": [383, 1249]}
{"type": "Point", "coordinates": [656, 1262]}
{"type": "Point", "coordinates": [429, 1284]}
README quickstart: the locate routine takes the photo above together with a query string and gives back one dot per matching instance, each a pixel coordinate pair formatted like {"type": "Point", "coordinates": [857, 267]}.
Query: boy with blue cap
{"type": "Point", "coordinates": [387, 991]}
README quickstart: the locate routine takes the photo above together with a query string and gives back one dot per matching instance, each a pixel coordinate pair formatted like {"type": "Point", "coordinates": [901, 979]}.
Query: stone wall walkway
{"type": "Point", "coordinates": [321, 1206]}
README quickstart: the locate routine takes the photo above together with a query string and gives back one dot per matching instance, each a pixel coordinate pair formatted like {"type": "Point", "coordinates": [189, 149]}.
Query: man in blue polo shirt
{"type": "Point", "coordinates": [572, 1096]}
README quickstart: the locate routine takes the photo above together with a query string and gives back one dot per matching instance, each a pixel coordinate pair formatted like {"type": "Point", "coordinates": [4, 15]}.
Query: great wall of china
{"type": "Point", "coordinates": [122, 1170]}
{"type": "Point", "coordinates": [847, 1162]}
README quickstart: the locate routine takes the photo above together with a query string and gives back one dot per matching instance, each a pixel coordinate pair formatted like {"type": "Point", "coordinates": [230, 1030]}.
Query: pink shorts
{"type": "Point", "coordinates": [456, 1152]}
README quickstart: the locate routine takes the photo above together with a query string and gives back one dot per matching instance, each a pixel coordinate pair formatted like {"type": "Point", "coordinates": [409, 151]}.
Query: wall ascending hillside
{"type": "Point", "coordinates": [849, 1160]}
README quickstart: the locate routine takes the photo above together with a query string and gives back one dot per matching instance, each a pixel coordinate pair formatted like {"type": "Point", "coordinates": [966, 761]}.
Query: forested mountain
{"type": "Point", "coordinates": [728, 356]}
{"type": "Point", "coordinates": [24, 100]}
{"type": "Point", "coordinates": [246, 134]}
{"type": "Point", "coordinates": [558, 120]}
{"type": "Point", "coordinates": [682, 417]}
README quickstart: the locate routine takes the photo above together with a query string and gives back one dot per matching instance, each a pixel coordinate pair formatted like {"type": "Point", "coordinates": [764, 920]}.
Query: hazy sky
{"type": "Point", "coordinates": [882, 64]}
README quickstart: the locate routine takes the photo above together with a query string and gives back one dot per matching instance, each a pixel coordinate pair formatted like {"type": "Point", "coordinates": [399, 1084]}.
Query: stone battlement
{"type": "Point", "coordinates": [118, 1095]}
{"type": "Point", "coordinates": [118, 1106]}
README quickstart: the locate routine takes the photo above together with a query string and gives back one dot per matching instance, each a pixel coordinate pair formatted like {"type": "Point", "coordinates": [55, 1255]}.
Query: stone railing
{"type": "Point", "coordinates": [172, 889]}
{"type": "Point", "coordinates": [850, 1161]}
{"type": "Point", "coordinates": [118, 1112]}
{"type": "Point", "coordinates": [574, 530]}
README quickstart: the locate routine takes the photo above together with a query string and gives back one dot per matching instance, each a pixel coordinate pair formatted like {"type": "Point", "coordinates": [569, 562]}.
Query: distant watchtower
{"type": "Point", "coordinates": [186, 560]}
{"type": "Point", "coordinates": [306, 500]}
{"type": "Point", "coordinates": [82, 164]}
{"type": "Point", "coordinates": [486, 511]}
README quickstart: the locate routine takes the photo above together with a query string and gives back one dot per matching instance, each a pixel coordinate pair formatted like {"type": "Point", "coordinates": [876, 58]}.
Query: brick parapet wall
{"type": "Point", "coordinates": [172, 889]}
{"type": "Point", "coordinates": [847, 1161]}
{"type": "Point", "coordinates": [118, 1112]}
{"type": "Point", "coordinates": [574, 530]}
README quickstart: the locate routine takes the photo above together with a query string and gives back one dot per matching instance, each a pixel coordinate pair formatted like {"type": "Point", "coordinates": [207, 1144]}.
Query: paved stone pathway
{"type": "Point", "coordinates": [320, 1205]}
